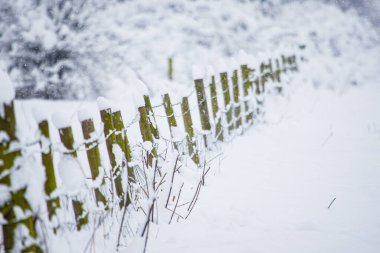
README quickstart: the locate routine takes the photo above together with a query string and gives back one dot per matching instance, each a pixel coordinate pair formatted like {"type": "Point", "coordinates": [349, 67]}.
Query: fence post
{"type": "Point", "coordinates": [47, 161]}
{"type": "Point", "coordinates": [151, 118]}
{"type": "Point", "coordinates": [294, 63]}
{"type": "Point", "coordinates": [122, 139]}
{"type": "Point", "coordinates": [203, 109]}
{"type": "Point", "coordinates": [278, 71]}
{"type": "Point", "coordinates": [263, 77]}
{"type": "Point", "coordinates": [188, 122]}
{"type": "Point", "coordinates": [169, 113]}
{"type": "Point", "coordinates": [271, 72]}
{"type": "Point", "coordinates": [170, 68]}
{"type": "Point", "coordinates": [17, 198]}
{"type": "Point", "coordinates": [109, 133]}
{"type": "Point", "coordinates": [227, 100]}
{"type": "Point", "coordinates": [236, 93]}
{"type": "Point", "coordinates": [67, 138]}
{"type": "Point", "coordinates": [93, 156]}
{"type": "Point", "coordinates": [215, 110]}
{"type": "Point", "coordinates": [284, 63]}
{"type": "Point", "coordinates": [146, 133]}
{"type": "Point", "coordinates": [247, 86]}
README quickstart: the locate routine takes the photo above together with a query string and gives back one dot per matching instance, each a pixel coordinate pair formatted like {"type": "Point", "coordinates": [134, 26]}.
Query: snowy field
{"type": "Point", "coordinates": [306, 179]}
{"type": "Point", "coordinates": [273, 189]}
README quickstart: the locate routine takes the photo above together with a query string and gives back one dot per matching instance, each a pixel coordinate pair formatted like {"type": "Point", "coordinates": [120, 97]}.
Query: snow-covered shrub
{"type": "Point", "coordinates": [43, 43]}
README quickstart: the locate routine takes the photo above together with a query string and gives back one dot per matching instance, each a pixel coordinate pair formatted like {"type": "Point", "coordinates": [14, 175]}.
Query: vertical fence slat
{"type": "Point", "coordinates": [278, 71]}
{"type": "Point", "coordinates": [122, 137]}
{"type": "Point", "coordinates": [188, 122]}
{"type": "Point", "coordinates": [146, 133]}
{"type": "Point", "coordinates": [151, 118]}
{"type": "Point", "coordinates": [247, 87]}
{"type": "Point", "coordinates": [67, 138]}
{"type": "Point", "coordinates": [170, 68]}
{"type": "Point", "coordinates": [109, 133]}
{"type": "Point", "coordinates": [202, 104]}
{"type": "Point", "coordinates": [294, 63]}
{"type": "Point", "coordinates": [47, 161]}
{"type": "Point", "coordinates": [93, 157]}
{"type": "Point", "coordinates": [215, 110]}
{"type": "Point", "coordinates": [236, 94]}
{"type": "Point", "coordinates": [284, 64]}
{"type": "Point", "coordinates": [122, 140]}
{"type": "Point", "coordinates": [264, 77]}
{"type": "Point", "coordinates": [17, 198]}
{"type": "Point", "coordinates": [169, 113]}
{"type": "Point", "coordinates": [227, 100]}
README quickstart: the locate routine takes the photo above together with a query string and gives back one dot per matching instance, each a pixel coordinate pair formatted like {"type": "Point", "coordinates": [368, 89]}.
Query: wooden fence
{"type": "Point", "coordinates": [242, 95]}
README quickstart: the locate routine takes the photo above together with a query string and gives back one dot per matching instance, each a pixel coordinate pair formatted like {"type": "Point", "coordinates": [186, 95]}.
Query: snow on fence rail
{"type": "Point", "coordinates": [128, 185]}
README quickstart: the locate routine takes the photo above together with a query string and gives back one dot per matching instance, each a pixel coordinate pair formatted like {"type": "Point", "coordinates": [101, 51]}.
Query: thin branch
{"type": "Point", "coordinates": [331, 203]}
{"type": "Point", "coordinates": [176, 204]}
{"type": "Point", "coordinates": [171, 185]}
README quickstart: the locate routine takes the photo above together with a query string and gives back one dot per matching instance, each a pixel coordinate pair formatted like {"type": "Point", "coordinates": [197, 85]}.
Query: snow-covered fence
{"type": "Point", "coordinates": [139, 180]}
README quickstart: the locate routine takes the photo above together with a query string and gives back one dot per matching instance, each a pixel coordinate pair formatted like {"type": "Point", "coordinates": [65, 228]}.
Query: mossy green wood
{"type": "Point", "coordinates": [17, 198]}
{"type": "Point", "coordinates": [151, 117]}
{"type": "Point", "coordinates": [203, 109]}
{"type": "Point", "coordinates": [146, 133]}
{"type": "Point", "coordinates": [227, 100]}
{"type": "Point", "coordinates": [257, 86]}
{"type": "Point", "coordinates": [109, 133]}
{"type": "Point", "coordinates": [122, 139]}
{"type": "Point", "coordinates": [247, 86]}
{"type": "Point", "coordinates": [236, 93]}
{"type": "Point", "coordinates": [123, 142]}
{"type": "Point", "coordinates": [170, 68]}
{"type": "Point", "coordinates": [93, 157]}
{"type": "Point", "coordinates": [284, 64]}
{"type": "Point", "coordinates": [270, 71]}
{"type": "Point", "coordinates": [67, 138]}
{"type": "Point", "coordinates": [215, 110]}
{"type": "Point", "coordinates": [169, 112]}
{"type": "Point", "coordinates": [278, 71]}
{"type": "Point", "coordinates": [47, 161]}
{"type": "Point", "coordinates": [294, 64]}
{"type": "Point", "coordinates": [188, 122]}
{"type": "Point", "coordinates": [264, 76]}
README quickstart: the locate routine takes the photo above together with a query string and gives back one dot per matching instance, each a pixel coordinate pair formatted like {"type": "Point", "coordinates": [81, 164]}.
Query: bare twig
{"type": "Point", "coordinates": [331, 203]}
{"type": "Point", "coordinates": [195, 195]}
{"type": "Point", "coordinates": [148, 219]}
{"type": "Point", "coordinates": [195, 200]}
{"type": "Point", "coordinates": [175, 207]}
{"type": "Point", "coordinates": [161, 182]}
{"type": "Point", "coordinates": [171, 185]}
{"type": "Point", "coordinates": [122, 222]}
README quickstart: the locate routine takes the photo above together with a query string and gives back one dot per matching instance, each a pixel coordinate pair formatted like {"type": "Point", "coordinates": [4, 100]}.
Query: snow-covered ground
{"type": "Point", "coordinates": [273, 189]}
{"type": "Point", "coordinates": [320, 141]}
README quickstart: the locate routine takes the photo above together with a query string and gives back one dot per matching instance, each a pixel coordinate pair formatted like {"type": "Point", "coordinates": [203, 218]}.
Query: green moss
{"type": "Point", "coordinates": [169, 112]}
{"type": "Point", "coordinates": [247, 86]}
{"type": "Point", "coordinates": [236, 93]}
{"type": "Point", "coordinates": [188, 122]}
{"type": "Point", "coordinates": [202, 104]}
{"type": "Point", "coordinates": [47, 161]}
{"type": "Point", "coordinates": [146, 133]}
{"type": "Point", "coordinates": [170, 68]}
{"type": "Point", "coordinates": [93, 157]}
{"type": "Point", "coordinates": [17, 198]}
{"type": "Point", "coordinates": [151, 118]}
{"type": "Point", "coordinates": [227, 100]}
{"type": "Point", "coordinates": [109, 132]}
{"type": "Point", "coordinates": [215, 110]}
{"type": "Point", "coordinates": [67, 138]}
